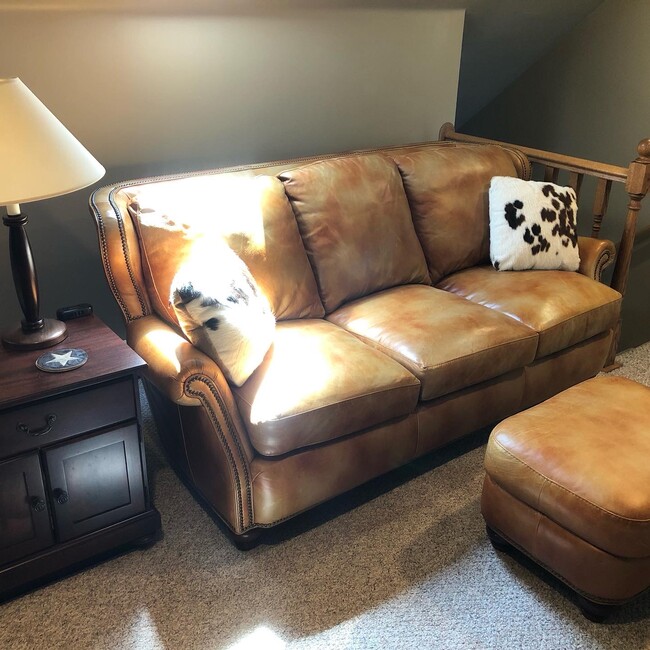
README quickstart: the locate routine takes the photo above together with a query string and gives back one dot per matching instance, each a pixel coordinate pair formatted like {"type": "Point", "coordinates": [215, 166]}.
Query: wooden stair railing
{"type": "Point", "coordinates": [636, 179]}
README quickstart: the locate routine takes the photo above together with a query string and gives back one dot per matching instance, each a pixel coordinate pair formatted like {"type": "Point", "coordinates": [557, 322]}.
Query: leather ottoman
{"type": "Point", "coordinates": [568, 483]}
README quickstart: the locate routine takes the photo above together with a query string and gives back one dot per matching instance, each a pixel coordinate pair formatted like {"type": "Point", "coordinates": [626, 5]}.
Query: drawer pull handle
{"type": "Point", "coordinates": [38, 504]}
{"type": "Point", "coordinates": [60, 496]}
{"type": "Point", "coordinates": [49, 423]}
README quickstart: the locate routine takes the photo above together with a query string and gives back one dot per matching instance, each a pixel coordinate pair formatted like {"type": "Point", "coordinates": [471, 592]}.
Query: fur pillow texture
{"type": "Point", "coordinates": [221, 309]}
{"type": "Point", "coordinates": [532, 225]}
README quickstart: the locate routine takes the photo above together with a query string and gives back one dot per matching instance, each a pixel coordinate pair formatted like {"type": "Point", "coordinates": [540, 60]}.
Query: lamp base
{"type": "Point", "coordinates": [52, 332]}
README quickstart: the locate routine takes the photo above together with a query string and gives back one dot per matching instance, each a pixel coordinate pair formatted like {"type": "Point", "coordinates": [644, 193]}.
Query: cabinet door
{"type": "Point", "coordinates": [95, 482]}
{"type": "Point", "coordinates": [24, 517]}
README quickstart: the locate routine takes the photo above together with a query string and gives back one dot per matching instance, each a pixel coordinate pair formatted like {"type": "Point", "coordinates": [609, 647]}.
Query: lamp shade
{"type": "Point", "coordinates": [39, 157]}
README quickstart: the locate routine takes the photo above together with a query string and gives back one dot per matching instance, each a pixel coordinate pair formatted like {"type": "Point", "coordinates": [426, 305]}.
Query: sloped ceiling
{"type": "Point", "coordinates": [502, 38]}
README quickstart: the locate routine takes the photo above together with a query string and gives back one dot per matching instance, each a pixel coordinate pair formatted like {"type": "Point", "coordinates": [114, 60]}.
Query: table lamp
{"type": "Point", "coordinates": [39, 159]}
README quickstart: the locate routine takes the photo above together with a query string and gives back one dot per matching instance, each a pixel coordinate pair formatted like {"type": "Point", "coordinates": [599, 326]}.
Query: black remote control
{"type": "Point", "coordinates": [74, 311]}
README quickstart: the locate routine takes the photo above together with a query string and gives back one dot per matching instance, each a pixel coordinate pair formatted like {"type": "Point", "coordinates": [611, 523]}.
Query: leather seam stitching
{"type": "Point", "coordinates": [343, 401]}
{"type": "Point", "coordinates": [103, 244]}
{"type": "Point", "coordinates": [215, 393]}
{"type": "Point", "coordinates": [381, 347]}
{"type": "Point", "coordinates": [125, 252]}
{"type": "Point", "coordinates": [581, 314]}
{"type": "Point", "coordinates": [594, 506]}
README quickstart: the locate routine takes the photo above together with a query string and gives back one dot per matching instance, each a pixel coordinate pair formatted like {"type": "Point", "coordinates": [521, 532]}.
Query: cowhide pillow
{"type": "Point", "coordinates": [221, 309]}
{"type": "Point", "coordinates": [532, 225]}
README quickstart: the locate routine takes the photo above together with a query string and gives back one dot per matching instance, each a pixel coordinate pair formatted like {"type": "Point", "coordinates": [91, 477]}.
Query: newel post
{"type": "Point", "coordinates": [637, 185]}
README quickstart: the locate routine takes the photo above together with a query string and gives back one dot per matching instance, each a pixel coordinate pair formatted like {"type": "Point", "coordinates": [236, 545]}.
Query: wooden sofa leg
{"type": "Point", "coordinates": [248, 540]}
{"type": "Point", "coordinates": [497, 541]}
{"type": "Point", "coordinates": [592, 611]}
{"type": "Point", "coordinates": [611, 363]}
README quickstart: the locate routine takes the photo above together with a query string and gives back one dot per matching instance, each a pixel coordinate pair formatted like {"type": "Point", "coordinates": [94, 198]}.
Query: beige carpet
{"type": "Point", "coordinates": [400, 563]}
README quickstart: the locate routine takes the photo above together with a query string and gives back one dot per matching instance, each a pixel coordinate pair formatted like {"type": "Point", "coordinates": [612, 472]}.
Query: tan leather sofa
{"type": "Point", "coordinates": [394, 334]}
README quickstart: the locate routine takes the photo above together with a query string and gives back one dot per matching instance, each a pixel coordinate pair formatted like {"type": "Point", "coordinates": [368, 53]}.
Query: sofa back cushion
{"type": "Point", "coordinates": [447, 189]}
{"type": "Point", "coordinates": [251, 213]}
{"type": "Point", "coordinates": [356, 226]}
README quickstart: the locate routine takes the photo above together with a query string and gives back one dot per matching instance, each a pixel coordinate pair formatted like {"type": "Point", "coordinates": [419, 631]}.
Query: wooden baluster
{"type": "Point", "coordinates": [601, 200]}
{"type": "Point", "coordinates": [575, 181]}
{"type": "Point", "coordinates": [551, 174]}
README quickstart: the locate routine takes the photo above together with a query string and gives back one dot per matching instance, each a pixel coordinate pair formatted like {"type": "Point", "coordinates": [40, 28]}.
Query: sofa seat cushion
{"type": "Point", "coordinates": [318, 383]}
{"type": "Point", "coordinates": [563, 306]}
{"type": "Point", "coordinates": [356, 225]}
{"type": "Point", "coordinates": [448, 343]}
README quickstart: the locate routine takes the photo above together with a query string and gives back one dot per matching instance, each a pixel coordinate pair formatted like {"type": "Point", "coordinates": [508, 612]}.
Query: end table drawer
{"type": "Point", "coordinates": [49, 420]}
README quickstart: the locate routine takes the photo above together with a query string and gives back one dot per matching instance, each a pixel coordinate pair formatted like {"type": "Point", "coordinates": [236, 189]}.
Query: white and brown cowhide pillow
{"type": "Point", "coordinates": [532, 225]}
{"type": "Point", "coordinates": [221, 309]}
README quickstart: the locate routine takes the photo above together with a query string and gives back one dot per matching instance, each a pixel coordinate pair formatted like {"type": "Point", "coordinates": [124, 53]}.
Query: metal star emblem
{"type": "Point", "coordinates": [62, 360]}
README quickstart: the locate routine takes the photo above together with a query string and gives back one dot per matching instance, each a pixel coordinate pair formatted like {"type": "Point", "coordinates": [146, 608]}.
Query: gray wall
{"type": "Point", "coordinates": [590, 98]}
{"type": "Point", "coordinates": [151, 93]}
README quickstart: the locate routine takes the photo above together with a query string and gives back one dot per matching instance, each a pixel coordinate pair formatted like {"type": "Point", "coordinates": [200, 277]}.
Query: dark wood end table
{"type": "Point", "coordinates": [73, 478]}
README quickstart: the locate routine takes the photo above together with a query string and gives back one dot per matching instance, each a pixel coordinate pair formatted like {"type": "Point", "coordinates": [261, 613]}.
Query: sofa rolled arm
{"type": "Point", "coordinates": [190, 378]}
{"type": "Point", "coordinates": [595, 256]}
{"type": "Point", "coordinates": [171, 359]}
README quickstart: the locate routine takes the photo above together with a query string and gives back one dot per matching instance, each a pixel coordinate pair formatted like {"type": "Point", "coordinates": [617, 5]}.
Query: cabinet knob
{"type": "Point", "coordinates": [60, 496]}
{"type": "Point", "coordinates": [37, 503]}
{"type": "Point", "coordinates": [50, 419]}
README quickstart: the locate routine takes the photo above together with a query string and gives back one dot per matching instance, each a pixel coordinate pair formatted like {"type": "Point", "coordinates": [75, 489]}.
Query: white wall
{"type": "Point", "coordinates": [156, 93]}
{"type": "Point", "coordinates": [590, 98]}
